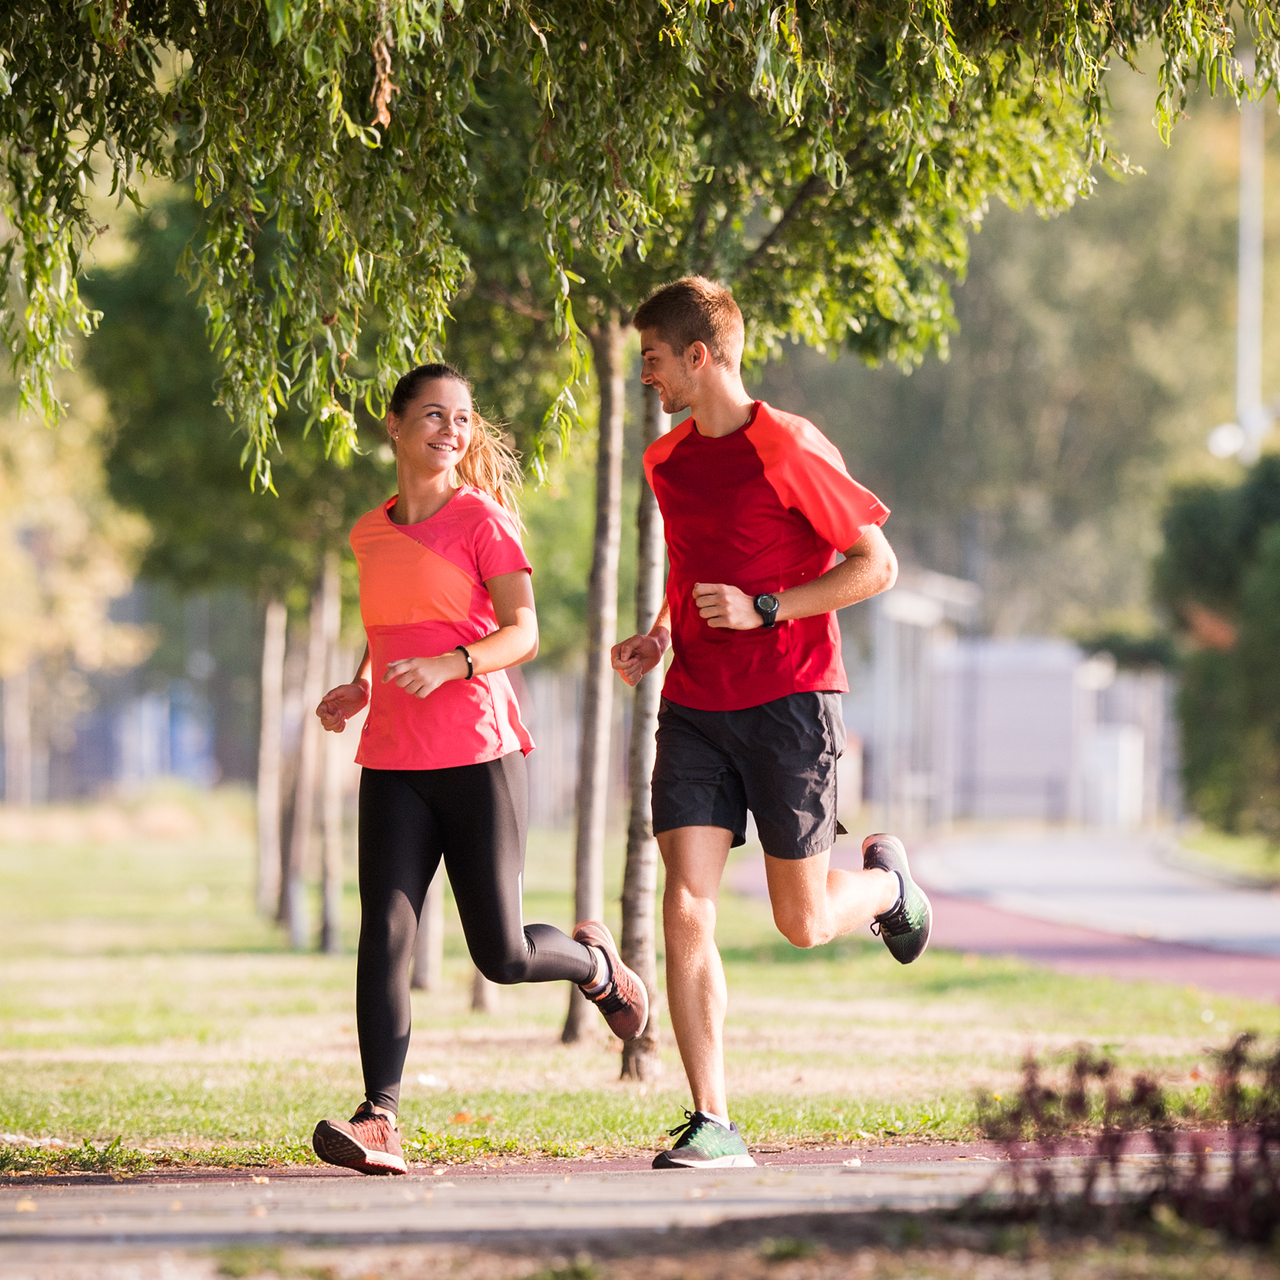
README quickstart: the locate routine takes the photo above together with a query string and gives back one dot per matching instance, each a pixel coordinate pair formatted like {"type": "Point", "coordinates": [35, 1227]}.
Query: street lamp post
{"type": "Point", "coordinates": [1243, 438]}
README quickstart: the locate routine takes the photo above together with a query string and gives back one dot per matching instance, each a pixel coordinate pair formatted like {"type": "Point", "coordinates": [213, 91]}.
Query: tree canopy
{"type": "Point", "coordinates": [1094, 352]}
{"type": "Point", "coordinates": [171, 454]}
{"type": "Point", "coordinates": [329, 143]}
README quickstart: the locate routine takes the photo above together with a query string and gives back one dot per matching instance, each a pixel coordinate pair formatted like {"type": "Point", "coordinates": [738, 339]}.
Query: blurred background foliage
{"type": "Point", "coordinates": [1219, 577]}
{"type": "Point", "coordinates": [1095, 350]}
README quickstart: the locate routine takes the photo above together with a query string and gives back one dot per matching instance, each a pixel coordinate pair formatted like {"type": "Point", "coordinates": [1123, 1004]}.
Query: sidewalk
{"type": "Point", "coordinates": [51, 1227]}
{"type": "Point", "coordinates": [1102, 880]}
{"type": "Point", "coordinates": [1088, 903]}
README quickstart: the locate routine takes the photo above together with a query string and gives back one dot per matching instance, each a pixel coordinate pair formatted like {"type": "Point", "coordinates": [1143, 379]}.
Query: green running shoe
{"type": "Point", "coordinates": [704, 1144]}
{"type": "Point", "coordinates": [906, 928]}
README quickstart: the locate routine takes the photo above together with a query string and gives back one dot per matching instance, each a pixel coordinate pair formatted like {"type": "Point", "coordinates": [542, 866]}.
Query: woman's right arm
{"type": "Point", "coordinates": [340, 704]}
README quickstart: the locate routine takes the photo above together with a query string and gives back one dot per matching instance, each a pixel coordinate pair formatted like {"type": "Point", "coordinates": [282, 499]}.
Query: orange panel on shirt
{"type": "Point", "coordinates": [402, 581]}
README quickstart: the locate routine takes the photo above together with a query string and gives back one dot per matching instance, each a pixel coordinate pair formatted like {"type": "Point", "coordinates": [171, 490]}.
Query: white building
{"type": "Point", "coordinates": [994, 729]}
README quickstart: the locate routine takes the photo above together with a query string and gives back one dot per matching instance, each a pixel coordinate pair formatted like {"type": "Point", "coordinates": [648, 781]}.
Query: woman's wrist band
{"type": "Point", "coordinates": [471, 666]}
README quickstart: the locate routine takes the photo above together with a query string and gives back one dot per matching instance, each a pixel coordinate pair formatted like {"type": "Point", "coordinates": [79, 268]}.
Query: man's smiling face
{"type": "Point", "coordinates": [669, 374]}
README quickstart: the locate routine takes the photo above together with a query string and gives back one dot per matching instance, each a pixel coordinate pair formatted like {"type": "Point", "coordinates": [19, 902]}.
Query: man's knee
{"type": "Point", "coordinates": [799, 928]}
{"type": "Point", "coordinates": [686, 910]}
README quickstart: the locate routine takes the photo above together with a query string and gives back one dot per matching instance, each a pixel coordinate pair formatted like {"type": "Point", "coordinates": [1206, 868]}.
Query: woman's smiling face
{"type": "Point", "coordinates": [434, 432]}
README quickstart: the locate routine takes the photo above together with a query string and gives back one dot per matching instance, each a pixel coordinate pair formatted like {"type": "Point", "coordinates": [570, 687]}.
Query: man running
{"type": "Point", "coordinates": [756, 505]}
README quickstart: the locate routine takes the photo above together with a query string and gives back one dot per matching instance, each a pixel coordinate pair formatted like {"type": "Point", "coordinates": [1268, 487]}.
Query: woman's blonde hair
{"type": "Point", "coordinates": [489, 463]}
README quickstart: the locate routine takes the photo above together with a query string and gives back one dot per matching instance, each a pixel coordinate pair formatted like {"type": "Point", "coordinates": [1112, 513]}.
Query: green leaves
{"type": "Point", "coordinates": [283, 16]}
{"type": "Point", "coordinates": [332, 256]}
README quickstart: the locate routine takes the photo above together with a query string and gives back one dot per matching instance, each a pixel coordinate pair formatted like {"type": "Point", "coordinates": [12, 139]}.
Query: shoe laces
{"type": "Point", "coordinates": [895, 922]}
{"type": "Point", "coordinates": [691, 1120]}
{"type": "Point", "coordinates": [609, 1001]}
{"type": "Point", "coordinates": [366, 1120]}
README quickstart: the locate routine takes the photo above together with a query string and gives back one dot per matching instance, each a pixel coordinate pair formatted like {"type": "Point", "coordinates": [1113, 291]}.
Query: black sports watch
{"type": "Point", "coordinates": [766, 606]}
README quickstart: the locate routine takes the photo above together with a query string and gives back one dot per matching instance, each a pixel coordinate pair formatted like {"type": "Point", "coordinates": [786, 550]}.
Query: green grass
{"type": "Point", "coordinates": [142, 999]}
{"type": "Point", "coordinates": [1246, 857]}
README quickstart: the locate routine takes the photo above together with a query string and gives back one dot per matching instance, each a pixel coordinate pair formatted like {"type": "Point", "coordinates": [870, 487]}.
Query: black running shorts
{"type": "Point", "coordinates": [778, 760]}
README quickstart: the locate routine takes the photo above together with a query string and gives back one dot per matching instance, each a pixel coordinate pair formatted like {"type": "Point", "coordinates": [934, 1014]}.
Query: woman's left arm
{"type": "Point", "coordinates": [514, 642]}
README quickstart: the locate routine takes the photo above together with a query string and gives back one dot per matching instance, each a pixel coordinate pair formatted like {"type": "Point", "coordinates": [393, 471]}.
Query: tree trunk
{"type": "Point", "coordinates": [295, 675]}
{"type": "Point", "coordinates": [17, 738]}
{"type": "Point", "coordinates": [335, 748]}
{"type": "Point", "coordinates": [640, 1060]}
{"type": "Point", "coordinates": [304, 799]}
{"type": "Point", "coordinates": [269, 747]}
{"type": "Point", "coordinates": [602, 625]}
{"type": "Point", "coordinates": [428, 948]}
{"type": "Point", "coordinates": [484, 994]}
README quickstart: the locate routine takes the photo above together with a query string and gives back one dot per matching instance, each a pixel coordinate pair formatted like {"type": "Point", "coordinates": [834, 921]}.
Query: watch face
{"type": "Point", "coordinates": [767, 603]}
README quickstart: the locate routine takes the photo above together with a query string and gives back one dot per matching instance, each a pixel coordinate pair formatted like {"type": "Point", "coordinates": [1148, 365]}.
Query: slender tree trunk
{"type": "Point", "coordinates": [602, 625]}
{"type": "Point", "coordinates": [428, 947]}
{"type": "Point", "coordinates": [335, 746]}
{"type": "Point", "coordinates": [17, 738]}
{"type": "Point", "coordinates": [273, 641]}
{"type": "Point", "coordinates": [304, 800]}
{"type": "Point", "coordinates": [484, 994]}
{"type": "Point", "coordinates": [640, 1060]}
{"type": "Point", "coordinates": [294, 678]}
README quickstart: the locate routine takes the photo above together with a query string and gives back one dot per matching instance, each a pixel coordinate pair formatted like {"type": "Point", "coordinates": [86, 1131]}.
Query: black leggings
{"type": "Point", "coordinates": [474, 817]}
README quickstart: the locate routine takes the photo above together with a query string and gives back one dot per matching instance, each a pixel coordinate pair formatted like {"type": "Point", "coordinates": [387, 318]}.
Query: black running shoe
{"type": "Point", "coordinates": [705, 1144]}
{"type": "Point", "coordinates": [906, 927]}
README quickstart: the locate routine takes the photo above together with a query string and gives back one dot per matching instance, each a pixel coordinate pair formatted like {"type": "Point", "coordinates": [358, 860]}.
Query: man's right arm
{"type": "Point", "coordinates": [633, 658]}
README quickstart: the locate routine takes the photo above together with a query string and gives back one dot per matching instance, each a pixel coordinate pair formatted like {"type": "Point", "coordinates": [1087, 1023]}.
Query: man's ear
{"type": "Point", "coordinates": [698, 356]}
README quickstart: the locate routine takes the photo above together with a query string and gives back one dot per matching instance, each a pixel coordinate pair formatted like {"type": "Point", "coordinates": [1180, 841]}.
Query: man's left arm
{"type": "Point", "coordinates": [869, 567]}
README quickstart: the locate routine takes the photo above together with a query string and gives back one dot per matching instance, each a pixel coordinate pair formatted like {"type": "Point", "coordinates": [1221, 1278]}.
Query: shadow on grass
{"type": "Point", "coordinates": [932, 1245]}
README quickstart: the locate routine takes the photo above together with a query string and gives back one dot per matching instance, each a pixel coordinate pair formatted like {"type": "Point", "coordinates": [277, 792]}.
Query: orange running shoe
{"type": "Point", "coordinates": [623, 1001]}
{"type": "Point", "coordinates": [368, 1142]}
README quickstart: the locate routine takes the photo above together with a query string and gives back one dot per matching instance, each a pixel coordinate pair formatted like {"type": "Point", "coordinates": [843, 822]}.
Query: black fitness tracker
{"type": "Point", "coordinates": [766, 606]}
{"type": "Point", "coordinates": [471, 666]}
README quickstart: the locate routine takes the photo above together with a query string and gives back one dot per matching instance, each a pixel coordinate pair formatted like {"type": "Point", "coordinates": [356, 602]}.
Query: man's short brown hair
{"type": "Point", "coordinates": [695, 309]}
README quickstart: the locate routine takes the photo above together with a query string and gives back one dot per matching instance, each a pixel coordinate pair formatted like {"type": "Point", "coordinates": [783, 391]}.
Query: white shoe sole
{"type": "Point", "coordinates": [720, 1162]}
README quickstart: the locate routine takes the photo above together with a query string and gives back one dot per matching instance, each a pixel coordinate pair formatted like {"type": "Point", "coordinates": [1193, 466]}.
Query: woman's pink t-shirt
{"type": "Point", "coordinates": [422, 593]}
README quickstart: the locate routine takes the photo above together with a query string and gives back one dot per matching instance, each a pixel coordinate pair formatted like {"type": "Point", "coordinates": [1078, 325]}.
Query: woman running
{"type": "Point", "coordinates": [447, 603]}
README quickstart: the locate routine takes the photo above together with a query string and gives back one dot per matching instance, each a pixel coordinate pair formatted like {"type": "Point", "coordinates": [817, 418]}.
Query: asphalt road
{"type": "Point", "coordinates": [48, 1223]}
{"type": "Point", "coordinates": [1110, 881]}
{"type": "Point", "coordinates": [1091, 903]}
{"type": "Point", "coordinates": [167, 1226]}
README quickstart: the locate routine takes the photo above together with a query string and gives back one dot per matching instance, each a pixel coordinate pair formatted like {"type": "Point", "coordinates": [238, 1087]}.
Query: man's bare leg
{"type": "Point", "coordinates": [697, 998]}
{"type": "Point", "coordinates": [813, 903]}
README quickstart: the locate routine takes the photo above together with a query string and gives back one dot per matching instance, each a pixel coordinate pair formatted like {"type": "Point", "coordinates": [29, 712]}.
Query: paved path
{"type": "Point", "coordinates": [962, 924]}
{"type": "Point", "coordinates": [48, 1226]}
{"type": "Point", "coordinates": [1098, 880]}
{"type": "Point", "coordinates": [1090, 903]}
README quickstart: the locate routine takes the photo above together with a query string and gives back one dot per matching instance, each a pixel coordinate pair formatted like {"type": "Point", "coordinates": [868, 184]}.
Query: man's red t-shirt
{"type": "Point", "coordinates": [762, 509]}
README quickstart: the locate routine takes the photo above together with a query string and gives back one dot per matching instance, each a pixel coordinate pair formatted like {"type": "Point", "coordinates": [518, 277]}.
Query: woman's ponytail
{"type": "Point", "coordinates": [491, 464]}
